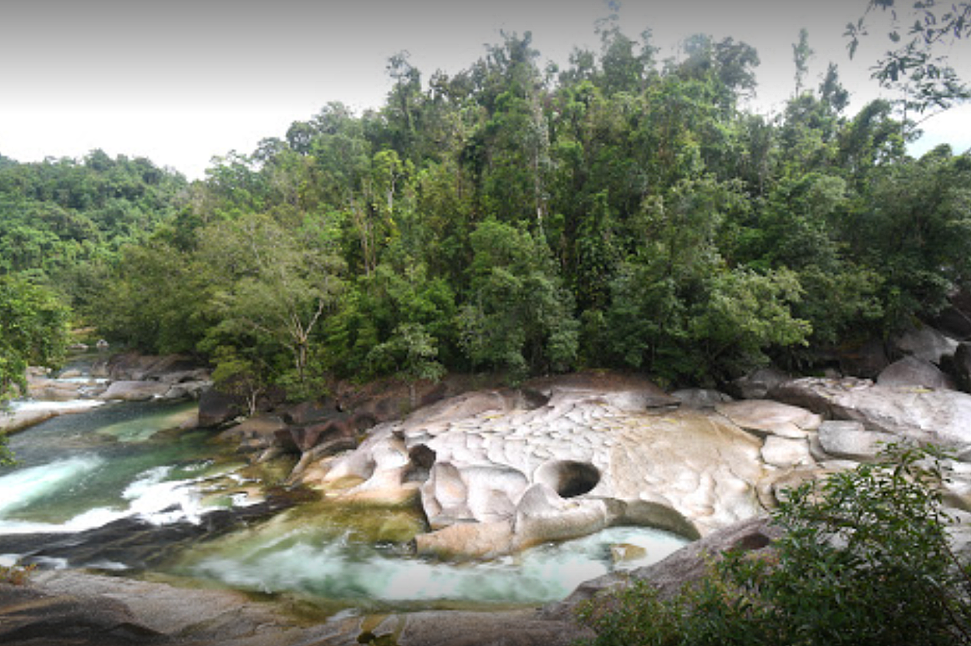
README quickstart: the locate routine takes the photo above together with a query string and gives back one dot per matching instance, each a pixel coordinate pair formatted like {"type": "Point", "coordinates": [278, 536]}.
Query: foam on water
{"type": "Point", "coordinates": [19, 488]}
{"type": "Point", "coordinates": [151, 496]}
{"type": "Point", "coordinates": [60, 406]}
{"type": "Point", "coordinates": [339, 569]}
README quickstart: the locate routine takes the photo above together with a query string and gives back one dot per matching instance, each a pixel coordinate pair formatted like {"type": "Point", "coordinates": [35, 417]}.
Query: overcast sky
{"type": "Point", "coordinates": [181, 81]}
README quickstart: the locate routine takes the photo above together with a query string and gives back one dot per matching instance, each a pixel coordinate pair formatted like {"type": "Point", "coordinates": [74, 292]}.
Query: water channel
{"type": "Point", "coordinates": [128, 462]}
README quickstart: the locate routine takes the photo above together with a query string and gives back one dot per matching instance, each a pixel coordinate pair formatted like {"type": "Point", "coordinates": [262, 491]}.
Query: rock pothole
{"type": "Point", "coordinates": [569, 478]}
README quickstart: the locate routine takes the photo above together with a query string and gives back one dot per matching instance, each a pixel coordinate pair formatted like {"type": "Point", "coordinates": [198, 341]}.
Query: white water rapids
{"type": "Point", "coordinates": [87, 469]}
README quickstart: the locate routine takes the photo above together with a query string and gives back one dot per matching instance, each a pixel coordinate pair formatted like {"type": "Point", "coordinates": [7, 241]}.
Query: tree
{"type": "Point", "coordinates": [33, 332]}
{"type": "Point", "coordinates": [274, 283]}
{"type": "Point", "coordinates": [801, 53]}
{"type": "Point", "coordinates": [864, 559]}
{"type": "Point", "coordinates": [518, 316]}
{"type": "Point", "coordinates": [917, 64]}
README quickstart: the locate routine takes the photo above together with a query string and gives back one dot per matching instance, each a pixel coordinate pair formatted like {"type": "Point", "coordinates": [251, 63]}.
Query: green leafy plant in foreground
{"type": "Point", "coordinates": [864, 559]}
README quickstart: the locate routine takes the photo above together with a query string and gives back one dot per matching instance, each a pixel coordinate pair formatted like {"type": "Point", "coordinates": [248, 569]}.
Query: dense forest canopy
{"type": "Point", "coordinates": [622, 211]}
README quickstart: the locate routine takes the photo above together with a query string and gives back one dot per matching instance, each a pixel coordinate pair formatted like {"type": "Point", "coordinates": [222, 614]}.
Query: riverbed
{"type": "Point", "coordinates": [131, 463]}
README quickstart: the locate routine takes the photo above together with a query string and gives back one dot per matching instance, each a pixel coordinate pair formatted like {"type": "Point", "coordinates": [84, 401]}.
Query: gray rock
{"type": "Point", "coordinates": [259, 433]}
{"type": "Point", "coordinates": [700, 397]}
{"type": "Point", "coordinates": [758, 384]}
{"type": "Point", "coordinates": [914, 371]}
{"type": "Point", "coordinates": [926, 343]}
{"type": "Point", "coordinates": [764, 417]}
{"type": "Point", "coordinates": [847, 439]}
{"type": "Point", "coordinates": [30, 617]}
{"type": "Point", "coordinates": [685, 566]}
{"type": "Point", "coordinates": [134, 391]}
{"type": "Point", "coordinates": [940, 417]}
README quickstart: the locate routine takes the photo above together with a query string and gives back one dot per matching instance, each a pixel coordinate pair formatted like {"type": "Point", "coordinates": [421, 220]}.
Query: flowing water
{"type": "Point", "coordinates": [85, 470]}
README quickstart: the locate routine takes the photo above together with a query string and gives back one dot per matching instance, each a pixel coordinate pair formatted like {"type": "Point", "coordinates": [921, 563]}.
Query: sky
{"type": "Point", "coordinates": [183, 81]}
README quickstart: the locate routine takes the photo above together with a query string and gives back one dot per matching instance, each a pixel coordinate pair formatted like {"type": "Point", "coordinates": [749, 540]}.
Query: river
{"type": "Point", "coordinates": [127, 466]}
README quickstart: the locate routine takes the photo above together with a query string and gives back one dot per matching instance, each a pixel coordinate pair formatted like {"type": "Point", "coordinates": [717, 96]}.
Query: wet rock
{"type": "Point", "coordinates": [12, 422]}
{"type": "Point", "coordinates": [133, 543]}
{"type": "Point", "coordinates": [165, 614]}
{"type": "Point", "coordinates": [29, 617]}
{"type": "Point", "coordinates": [625, 552]}
{"type": "Point", "coordinates": [914, 371]}
{"type": "Point", "coordinates": [503, 473]}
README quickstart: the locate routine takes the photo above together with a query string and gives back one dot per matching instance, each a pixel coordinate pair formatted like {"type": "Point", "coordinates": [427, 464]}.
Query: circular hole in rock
{"type": "Point", "coordinates": [568, 477]}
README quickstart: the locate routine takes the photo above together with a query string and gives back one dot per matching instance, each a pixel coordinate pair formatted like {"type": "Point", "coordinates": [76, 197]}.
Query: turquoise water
{"type": "Point", "coordinates": [83, 470]}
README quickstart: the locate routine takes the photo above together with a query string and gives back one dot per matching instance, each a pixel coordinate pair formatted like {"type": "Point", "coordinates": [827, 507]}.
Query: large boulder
{"type": "Point", "coordinates": [30, 617]}
{"type": "Point", "coordinates": [758, 384]}
{"type": "Point", "coordinates": [940, 417]}
{"type": "Point", "coordinates": [958, 367]}
{"type": "Point", "coordinates": [914, 371]}
{"type": "Point", "coordinates": [501, 470]}
{"type": "Point", "coordinates": [259, 433]}
{"type": "Point", "coordinates": [847, 439]}
{"type": "Point", "coordinates": [927, 344]}
{"type": "Point", "coordinates": [71, 608]}
{"type": "Point", "coordinates": [131, 366]}
{"type": "Point", "coordinates": [765, 417]}
{"type": "Point", "coordinates": [862, 360]}
{"type": "Point", "coordinates": [134, 391]}
{"type": "Point", "coordinates": [13, 421]}
{"type": "Point", "coordinates": [216, 408]}
{"type": "Point", "coordinates": [670, 575]}
{"type": "Point", "coordinates": [955, 319]}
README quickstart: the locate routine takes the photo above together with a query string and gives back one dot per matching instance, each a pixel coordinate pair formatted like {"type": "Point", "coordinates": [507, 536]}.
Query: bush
{"type": "Point", "coordinates": [865, 559]}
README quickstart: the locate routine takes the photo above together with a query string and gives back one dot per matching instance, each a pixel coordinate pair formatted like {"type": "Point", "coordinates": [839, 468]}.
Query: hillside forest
{"type": "Point", "coordinates": [621, 212]}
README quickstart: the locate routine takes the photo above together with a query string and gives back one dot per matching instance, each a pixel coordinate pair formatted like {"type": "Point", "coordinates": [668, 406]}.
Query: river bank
{"type": "Point", "coordinates": [486, 474]}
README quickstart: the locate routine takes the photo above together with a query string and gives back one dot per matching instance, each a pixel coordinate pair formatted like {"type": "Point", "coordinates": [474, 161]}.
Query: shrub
{"type": "Point", "coordinates": [865, 559]}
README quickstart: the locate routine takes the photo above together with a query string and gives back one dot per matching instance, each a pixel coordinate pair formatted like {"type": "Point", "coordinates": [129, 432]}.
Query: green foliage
{"type": "Point", "coordinates": [921, 36]}
{"type": "Point", "coordinates": [33, 332]}
{"type": "Point", "coordinates": [519, 318]}
{"type": "Point", "coordinates": [864, 559]}
{"type": "Point", "coordinates": [624, 211]}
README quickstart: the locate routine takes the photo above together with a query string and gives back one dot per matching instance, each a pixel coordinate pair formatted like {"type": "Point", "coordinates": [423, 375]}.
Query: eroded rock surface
{"type": "Point", "coordinates": [941, 417]}
{"type": "Point", "coordinates": [500, 471]}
